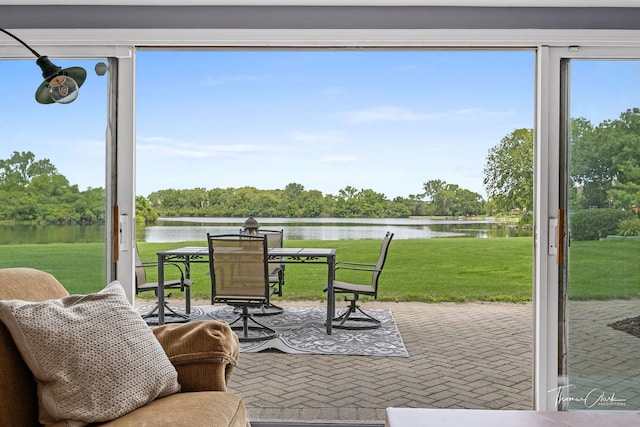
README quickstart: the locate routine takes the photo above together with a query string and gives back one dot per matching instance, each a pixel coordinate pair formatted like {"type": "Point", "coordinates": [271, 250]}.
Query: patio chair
{"type": "Point", "coordinates": [275, 239]}
{"type": "Point", "coordinates": [239, 270]}
{"type": "Point", "coordinates": [182, 283]}
{"type": "Point", "coordinates": [353, 317]}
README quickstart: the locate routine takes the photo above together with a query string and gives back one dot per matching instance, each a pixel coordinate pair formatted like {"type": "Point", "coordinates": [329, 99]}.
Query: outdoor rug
{"type": "Point", "coordinates": [301, 330]}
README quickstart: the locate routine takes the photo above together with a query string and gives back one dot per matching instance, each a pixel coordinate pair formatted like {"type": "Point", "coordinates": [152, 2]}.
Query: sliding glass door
{"type": "Point", "coordinates": [600, 267]}
{"type": "Point", "coordinates": [52, 178]}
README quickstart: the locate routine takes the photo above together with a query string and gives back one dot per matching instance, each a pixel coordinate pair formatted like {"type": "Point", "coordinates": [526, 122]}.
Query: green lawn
{"type": "Point", "coordinates": [608, 269]}
{"type": "Point", "coordinates": [430, 270]}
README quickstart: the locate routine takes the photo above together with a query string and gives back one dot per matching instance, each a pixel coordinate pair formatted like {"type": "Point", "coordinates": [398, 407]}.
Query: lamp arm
{"type": "Point", "coordinates": [23, 43]}
{"type": "Point", "coordinates": [59, 85]}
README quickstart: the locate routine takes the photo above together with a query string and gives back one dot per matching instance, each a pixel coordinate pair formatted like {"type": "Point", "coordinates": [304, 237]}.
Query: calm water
{"type": "Point", "coordinates": [183, 229]}
{"type": "Point", "coordinates": [39, 234]}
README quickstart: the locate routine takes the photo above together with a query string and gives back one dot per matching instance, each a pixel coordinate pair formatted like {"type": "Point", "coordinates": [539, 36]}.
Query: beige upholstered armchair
{"type": "Point", "coordinates": [202, 353]}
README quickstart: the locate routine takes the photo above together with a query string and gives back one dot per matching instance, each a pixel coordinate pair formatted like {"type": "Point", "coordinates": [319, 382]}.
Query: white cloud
{"type": "Point", "coordinates": [328, 136]}
{"type": "Point", "coordinates": [477, 114]}
{"type": "Point", "coordinates": [392, 113]}
{"type": "Point", "coordinates": [166, 147]}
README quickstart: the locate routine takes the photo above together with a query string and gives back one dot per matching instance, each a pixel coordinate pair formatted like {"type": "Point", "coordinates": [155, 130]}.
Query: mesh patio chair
{"type": "Point", "coordinates": [353, 317]}
{"type": "Point", "coordinates": [275, 239]}
{"type": "Point", "coordinates": [181, 283]}
{"type": "Point", "coordinates": [239, 268]}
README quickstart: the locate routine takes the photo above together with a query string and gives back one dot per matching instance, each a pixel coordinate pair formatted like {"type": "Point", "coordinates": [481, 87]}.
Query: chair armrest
{"type": "Point", "coordinates": [355, 263]}
{"type": "Point", "coordinates": [358, 269]}
{"type": "Point", "coordinates": [277, 270]}
{"type": "Point", "coordinates": [183, 282]}
{"type": "Point", "coordinates": [360, 266]}
{"type": "Point", "coordinates": [173, 264]}
{"type": "Point", "coordinates": [204, 353]}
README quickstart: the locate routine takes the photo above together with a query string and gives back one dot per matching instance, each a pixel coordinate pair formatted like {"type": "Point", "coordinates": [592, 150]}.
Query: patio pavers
{"type": "Point", "coordinates": [461, 356]}
{"type": "Point", "coordinates": [472, 355]}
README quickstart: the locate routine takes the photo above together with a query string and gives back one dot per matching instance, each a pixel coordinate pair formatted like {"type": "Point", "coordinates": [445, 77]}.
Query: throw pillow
{"type": "Point", "coordinates": [93, 356]}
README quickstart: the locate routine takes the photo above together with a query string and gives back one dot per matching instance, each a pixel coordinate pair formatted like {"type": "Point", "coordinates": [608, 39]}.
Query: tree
{"type": "Point", "coordinates": [468, 203]}
{"type": "Point", "coordinates": [346, 203]}
{"type": "Point", "coordinates": [413, 205]}
{"type": "Point", "coordinates": [311, 203]}
{"type": "Point", "coordinates": [433, 187]}
{"type": "Point", "coordinates": [145, 214]}
{"type": "Point", "coordinates": [292, 191]}
{"type": "Point", "coordinates": [508, 173]}
{"type": "Point", "coordinates": [591, 163]}
{"type": "Point", "coordinates": [365, 203]}
{"type": "Point", "coordinates": [625, 188]}
{"type": "Point", "coordinates": [605, 162]}
{"type": "Point", "coordinates": [450, 199]}
{"type": "Point", "coordinates": [22, 167]}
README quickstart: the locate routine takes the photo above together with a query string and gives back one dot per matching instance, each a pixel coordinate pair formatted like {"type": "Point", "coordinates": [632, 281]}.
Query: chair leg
{"type": "Point", "coordinates": [151, 313]}
{"type": "Point", "coordinates": [263, 332]}
{"type": "Point", "coordinates": [268, 309]}
{"type": "Point", "coordinates": [154, 313]}
{"type": "Point", "coordinates": [175, 313]}
{"type": "Point", "coordinates": [349, 314]}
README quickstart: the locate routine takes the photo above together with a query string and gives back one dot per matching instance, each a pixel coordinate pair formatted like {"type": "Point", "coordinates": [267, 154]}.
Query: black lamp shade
{"type": "Point", "coordinates": [60, 85]}
{"type": "Point", "coordinates": [51, 71]}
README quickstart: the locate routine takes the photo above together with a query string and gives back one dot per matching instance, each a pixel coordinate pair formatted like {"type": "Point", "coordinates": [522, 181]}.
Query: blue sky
{"type": "Point", "coordinates": [384, 120]}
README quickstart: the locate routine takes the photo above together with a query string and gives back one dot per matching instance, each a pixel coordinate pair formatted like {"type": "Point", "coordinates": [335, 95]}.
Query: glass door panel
{"type": "Point", "coordinates": [602, 300]}
{"type": "Point", "coordinates": [52, 177]}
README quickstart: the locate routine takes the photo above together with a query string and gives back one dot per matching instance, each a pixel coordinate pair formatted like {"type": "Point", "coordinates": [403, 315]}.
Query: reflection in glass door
{"type": "Point", "coordinates": [601, 301]}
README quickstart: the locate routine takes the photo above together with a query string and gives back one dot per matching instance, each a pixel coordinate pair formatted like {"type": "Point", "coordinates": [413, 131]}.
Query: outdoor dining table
{"type": "Point", "coordinates": [189, 254]}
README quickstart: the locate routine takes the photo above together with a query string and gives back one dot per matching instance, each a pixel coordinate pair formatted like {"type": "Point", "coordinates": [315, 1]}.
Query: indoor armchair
{"type": "Point", "coordinates": [198, 358]}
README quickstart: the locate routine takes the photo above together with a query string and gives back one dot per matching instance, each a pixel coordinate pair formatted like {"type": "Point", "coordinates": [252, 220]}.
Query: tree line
{"type": "Point", "coordinates": [294, 201]}
{"type": "Point", "coordinates": [604, 172]}
{"type": "Point", "coordinates": [34, 191]}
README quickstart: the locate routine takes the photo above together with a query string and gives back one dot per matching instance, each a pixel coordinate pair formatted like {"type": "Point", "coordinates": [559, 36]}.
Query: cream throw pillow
{"type": "Point", "coordinates": [94, 357]}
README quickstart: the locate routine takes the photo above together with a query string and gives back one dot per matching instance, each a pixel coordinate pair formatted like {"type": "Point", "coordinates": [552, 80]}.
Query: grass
{"type": "Point", "coordinates": [429, 270]}
{"type": "Point", "coordinates": [608, 269]}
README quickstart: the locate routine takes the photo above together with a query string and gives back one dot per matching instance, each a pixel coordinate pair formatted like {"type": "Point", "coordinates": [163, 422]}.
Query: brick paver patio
{"type": "Point", "coordinates": [461, 356]}
{"type": "Point", "coordinates": [473, 355]}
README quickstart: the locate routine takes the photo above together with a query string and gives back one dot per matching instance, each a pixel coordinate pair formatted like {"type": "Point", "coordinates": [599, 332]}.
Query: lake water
{"type": "Point", "coordinates": [183, 229]}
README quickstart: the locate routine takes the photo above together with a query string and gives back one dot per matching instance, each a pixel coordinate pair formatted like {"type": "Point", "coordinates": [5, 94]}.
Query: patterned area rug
{"type": "Point", "coordinates": [302, 331]}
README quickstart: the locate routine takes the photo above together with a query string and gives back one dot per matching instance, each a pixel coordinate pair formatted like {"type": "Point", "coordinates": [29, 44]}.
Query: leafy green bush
{"type": "Point", "coordinates": [592, 224]}
{"type": "Point", "coordinates": [525, 219]}
{"type": "Point", "coordinates": [629, 227]}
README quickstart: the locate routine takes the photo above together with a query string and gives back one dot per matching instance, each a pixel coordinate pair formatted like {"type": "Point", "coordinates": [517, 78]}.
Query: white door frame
{"type": "Point", "coordinates": [549, 101]}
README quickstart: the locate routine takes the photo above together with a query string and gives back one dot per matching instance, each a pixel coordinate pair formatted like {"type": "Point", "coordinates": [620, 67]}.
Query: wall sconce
{"type": "Point", "coordinates": [59, 85]}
